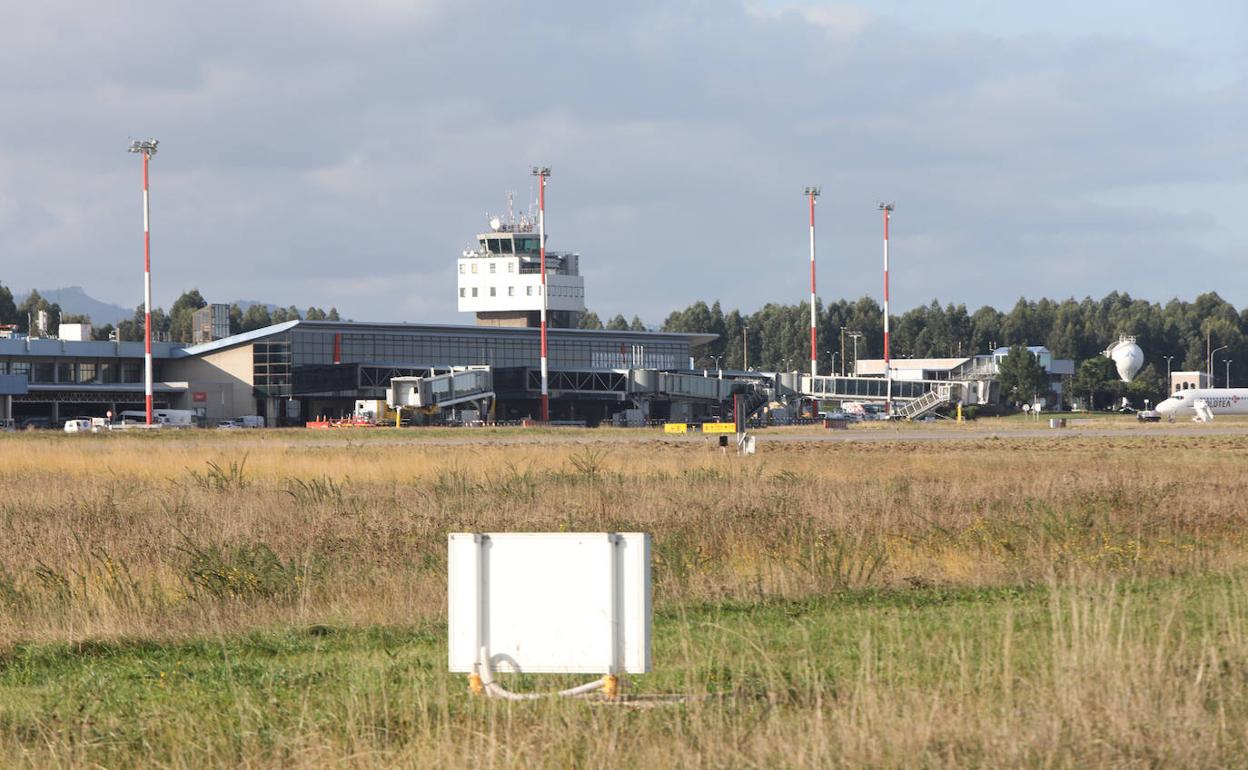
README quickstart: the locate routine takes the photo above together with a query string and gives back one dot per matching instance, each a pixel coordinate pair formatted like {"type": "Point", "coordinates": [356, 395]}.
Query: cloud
{"type": "Point", "coordinates": [838, 19]}
{"type": "Point", "coordinates": [334, 153]}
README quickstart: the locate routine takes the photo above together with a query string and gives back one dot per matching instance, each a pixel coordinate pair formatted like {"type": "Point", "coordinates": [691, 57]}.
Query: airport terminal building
{"type": "Point", "coordinates": [294, 371]}
{"type": "Point", "coordinates": [300, 370]}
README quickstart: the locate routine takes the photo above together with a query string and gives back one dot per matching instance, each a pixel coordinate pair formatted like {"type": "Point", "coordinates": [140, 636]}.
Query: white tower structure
{"type": "Point", "coordinates": [501, 279]}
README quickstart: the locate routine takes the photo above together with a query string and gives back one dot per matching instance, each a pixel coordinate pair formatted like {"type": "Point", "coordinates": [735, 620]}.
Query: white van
{"type": "Point", "coordinates": [173, 418]}
{"type": "Point", "coordinates": [77, 426]}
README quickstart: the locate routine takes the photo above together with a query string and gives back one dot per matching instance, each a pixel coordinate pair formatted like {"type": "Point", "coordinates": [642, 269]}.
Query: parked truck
{"type": "Point", "coordinates": [374, 411]}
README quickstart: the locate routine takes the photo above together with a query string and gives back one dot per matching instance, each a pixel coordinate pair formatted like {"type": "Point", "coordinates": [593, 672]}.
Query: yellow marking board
{"type": "Point", "coordinates": [719, 427]}
{"type": "Point", "coordinates": [675, 427]}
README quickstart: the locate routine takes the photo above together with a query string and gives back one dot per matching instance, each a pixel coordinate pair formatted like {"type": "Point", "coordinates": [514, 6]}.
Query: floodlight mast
{"type": "Point", "coordinates": [543, 173]}
{"type": "Point", "coordinates": [887, 208]}
{"type": "Point", "coordinates": [812, 193]}
{"type": "Point", "coordinates": [146, 148]}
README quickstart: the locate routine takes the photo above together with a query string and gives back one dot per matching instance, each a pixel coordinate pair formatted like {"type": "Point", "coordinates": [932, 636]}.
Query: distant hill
{"type": "Point", "coordinates": [243, 304]}
{"type": "Point", "coordinates": [74, 301]}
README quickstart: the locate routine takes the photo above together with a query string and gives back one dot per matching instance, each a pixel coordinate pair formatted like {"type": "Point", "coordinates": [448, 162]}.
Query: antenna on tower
{"type": "Point", "coordinates": [511, 211]}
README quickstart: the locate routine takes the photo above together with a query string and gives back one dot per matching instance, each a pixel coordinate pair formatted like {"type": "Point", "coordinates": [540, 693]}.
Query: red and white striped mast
{"type": "Point", "coordinates": [887, 208]}
{"type": "Point", "coordinates": [147, 148]}
{"type": "Point", "coordinates": [812, 193]}
{"type": "Point", "coordinates": [542, 173]}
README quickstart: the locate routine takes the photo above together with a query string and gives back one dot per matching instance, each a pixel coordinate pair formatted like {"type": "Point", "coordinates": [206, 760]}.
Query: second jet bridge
{"type": "Point", "coordinates": [639, 383]}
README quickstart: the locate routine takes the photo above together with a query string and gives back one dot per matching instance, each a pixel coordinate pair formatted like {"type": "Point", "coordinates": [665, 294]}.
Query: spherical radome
{"type": "Point", "coordinates": [1128, 358]}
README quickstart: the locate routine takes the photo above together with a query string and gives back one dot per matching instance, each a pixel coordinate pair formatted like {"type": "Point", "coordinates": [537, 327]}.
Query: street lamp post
{"type": "Point", "coordinates": [146, 148]}
{"type": "Point", "coordinates": [843, 328]}
{"type": "Point", "coordinates": [718, 365]}
{"type": "Point", "coordinates": [1169, 385]}
{"type": "Point", "coordinates": [745, 350]}
{"type": "Point", "coordinates": [543, 173]}
{"type": "Point", "coordinates": [833, 352]}
{"type": "Point", "coordinates": [1212, 353]}
{"type": "Point", "coordinates": [1227, 361]}
{"type": "Point", "coordinates": [856, 336]}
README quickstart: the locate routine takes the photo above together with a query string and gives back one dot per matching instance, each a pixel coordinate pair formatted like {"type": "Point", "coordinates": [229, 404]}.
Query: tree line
{"type": "Point", "coordinates": [777, 336]}
{"type": "Point", "coordinates": [174, 325]}
{"type": "Point", "coordinates": [1076, 329]}
{"type": "Point", "coordinates": [590, 320]}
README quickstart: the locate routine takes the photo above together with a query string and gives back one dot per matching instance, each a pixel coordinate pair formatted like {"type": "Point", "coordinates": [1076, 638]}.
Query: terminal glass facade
{"type": "Point", "coordinates": [496, 348]}
{"type": "Point", "coordinates": [311, 351]}
{"type": "Point", "coordinates": [79, 372]}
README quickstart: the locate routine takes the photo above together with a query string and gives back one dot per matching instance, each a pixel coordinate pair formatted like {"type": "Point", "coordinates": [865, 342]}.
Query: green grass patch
{"type": "Point", "coordinates": [281, 696]}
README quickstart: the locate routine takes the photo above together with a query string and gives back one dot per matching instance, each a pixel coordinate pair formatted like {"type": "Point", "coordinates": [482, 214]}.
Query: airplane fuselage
{"type": "Point", "coordinates": [1220, 401]}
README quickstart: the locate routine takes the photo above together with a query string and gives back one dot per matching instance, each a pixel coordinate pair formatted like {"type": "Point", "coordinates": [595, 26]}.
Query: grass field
{"type": "Point", "coordinates": [277, 599]}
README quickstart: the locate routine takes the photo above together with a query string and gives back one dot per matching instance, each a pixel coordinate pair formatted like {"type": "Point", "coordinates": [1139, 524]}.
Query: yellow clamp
{"type": "Point", "coordinates": [474, 684]}
{"type": "Point", "coordinates": [611, 686]}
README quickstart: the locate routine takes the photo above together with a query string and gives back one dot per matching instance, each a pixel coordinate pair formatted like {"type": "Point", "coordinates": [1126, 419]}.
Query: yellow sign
{"type": "Point", "coordinates": [676, 427]}
{"type": "Point", "coordinates": [719, 427]}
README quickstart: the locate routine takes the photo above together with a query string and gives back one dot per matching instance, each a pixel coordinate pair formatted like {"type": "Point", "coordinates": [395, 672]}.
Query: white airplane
{"type": "Point", "coordinates": [1201, 404]}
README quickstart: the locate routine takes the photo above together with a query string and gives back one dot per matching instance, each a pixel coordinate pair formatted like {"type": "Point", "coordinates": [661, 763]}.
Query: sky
{"type": "Point", "coordinates": [344, 152]}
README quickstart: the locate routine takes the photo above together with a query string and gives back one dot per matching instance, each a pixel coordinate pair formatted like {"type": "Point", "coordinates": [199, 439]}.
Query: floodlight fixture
{"type": "Point", "coordinates": [145, 146]}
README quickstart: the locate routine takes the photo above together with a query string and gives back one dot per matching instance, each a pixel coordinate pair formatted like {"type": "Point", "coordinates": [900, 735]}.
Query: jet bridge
{"type": "Point", "coordinates": [441, 390]}
{"type": "Point", "coordinates": [914, 398]}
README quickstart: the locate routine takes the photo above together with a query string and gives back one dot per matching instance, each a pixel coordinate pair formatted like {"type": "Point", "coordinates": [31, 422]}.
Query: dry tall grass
{"type": "Point", "coordinates": [211, 536]}
{"type": "Point", "coordinates": [126, 535]}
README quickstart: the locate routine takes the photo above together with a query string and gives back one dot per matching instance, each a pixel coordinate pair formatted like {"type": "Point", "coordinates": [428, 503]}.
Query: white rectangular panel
{"type": "Point", "coordinates": [550, 602]}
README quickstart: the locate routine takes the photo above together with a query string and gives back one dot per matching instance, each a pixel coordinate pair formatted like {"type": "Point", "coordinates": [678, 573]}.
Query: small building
{"type": "Point", "coordinates": [71, 378]}
{"type": "Point", "coordinates": [74, 332]}
{"type": "Point", "coordinates": [209, 323]}
{"type": "Point", "coordinates": [1189, 380]}
{"type": "Point", "coordinates": [978, 368]}
{"type": "Point", "coordinates": [913, 368]}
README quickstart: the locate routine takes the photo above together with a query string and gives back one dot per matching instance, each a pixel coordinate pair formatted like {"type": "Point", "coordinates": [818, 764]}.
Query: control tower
{"type": "Point", "coordinates": [500, 280]}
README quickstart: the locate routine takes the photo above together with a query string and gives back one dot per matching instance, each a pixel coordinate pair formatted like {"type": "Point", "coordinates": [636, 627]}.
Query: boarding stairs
{"type": "Point", "coordinates": [940, 395]}
{"type": "Point", "coordinates": [747, 405]}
